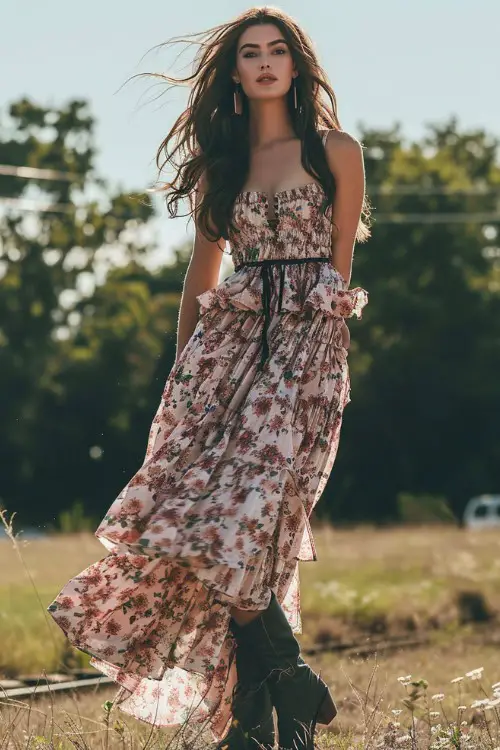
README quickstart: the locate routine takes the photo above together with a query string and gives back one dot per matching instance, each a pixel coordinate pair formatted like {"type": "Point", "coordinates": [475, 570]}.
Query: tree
{"type": "Point", "coordinates": [48, 258]}
{"type": "Point", "coordinates": [425, 358]}
{"type": "Point", "coordinates": [85, 351]}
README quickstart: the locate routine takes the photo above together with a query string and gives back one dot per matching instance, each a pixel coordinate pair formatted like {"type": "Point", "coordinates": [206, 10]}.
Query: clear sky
{"type": "Point", "coordinates": [388, 60]}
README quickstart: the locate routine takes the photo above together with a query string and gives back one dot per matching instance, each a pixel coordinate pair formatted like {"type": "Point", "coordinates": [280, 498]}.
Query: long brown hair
{"type": "Point", "coordinates": [212, 143]}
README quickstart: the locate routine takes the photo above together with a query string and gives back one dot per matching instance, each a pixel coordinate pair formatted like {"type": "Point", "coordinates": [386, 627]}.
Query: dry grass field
{"type": "Point", "coordinates": [403, 623]}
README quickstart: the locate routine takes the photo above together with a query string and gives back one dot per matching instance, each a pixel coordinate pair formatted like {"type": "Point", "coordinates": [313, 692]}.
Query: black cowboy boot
{"type": "Point", "coordinates": [253, 724]}
{"type": "Point", "coordinates": [300, 696]}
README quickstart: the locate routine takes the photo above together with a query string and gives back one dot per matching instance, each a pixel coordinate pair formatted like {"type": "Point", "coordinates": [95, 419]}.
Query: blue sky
{"type": "Point", "coordinates": [389, 61]}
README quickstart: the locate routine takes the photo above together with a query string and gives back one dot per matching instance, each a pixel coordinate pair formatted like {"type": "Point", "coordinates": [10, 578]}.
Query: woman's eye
{"type": "Point", "coordinates": [248, 54]}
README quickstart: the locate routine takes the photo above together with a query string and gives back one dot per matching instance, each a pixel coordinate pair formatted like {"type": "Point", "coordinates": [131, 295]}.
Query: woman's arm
{"type": "Point", "coordinates": [202, 274]}
{"type": "Point", "coordinates": [345, 159]}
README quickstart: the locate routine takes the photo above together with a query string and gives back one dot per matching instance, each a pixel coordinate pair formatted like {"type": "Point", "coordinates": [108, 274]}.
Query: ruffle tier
{"type": "Point", "coordinates": [314, 287]}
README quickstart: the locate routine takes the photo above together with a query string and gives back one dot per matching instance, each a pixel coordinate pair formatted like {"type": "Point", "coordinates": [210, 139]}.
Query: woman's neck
{"type": "Point", "coordinates": [270, 123]}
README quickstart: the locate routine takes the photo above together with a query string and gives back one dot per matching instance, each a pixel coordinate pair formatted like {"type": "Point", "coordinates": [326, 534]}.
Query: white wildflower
{"type": "Point", "coordinates": [438, 697]}
{"type": "Point", "coordinates": [475, 674]}
{"type": "Point", "coordinates": [457, 679]}
{"type": "Point", "coordinates": [434, 714]}
{"type": "Point", "coordinates": [404, 679]}
{"type": "Point", "coordinates": [397, 711]}
{"type": "Point", "coordinates": [480, 703]}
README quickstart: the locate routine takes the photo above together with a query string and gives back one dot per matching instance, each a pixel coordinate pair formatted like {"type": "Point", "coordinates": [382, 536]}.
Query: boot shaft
{"type": "Point", "coordinates": [270, 638]}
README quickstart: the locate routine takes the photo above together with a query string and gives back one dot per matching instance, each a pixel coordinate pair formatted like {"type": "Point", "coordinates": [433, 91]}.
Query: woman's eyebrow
{"type": "Point", "coordinates": [269, 44]}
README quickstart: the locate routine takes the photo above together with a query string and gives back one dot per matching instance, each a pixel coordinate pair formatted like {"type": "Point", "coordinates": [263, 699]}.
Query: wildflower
{"type": "Point", "coordinates": [397, 711]}
{"type": "Point", "coordinates": [480, 703]}
{"type": "Point", "coordinates": [496, 686]}
{"type": "Point", "coordinates": [434, 714]}
{"type": "Point", "coordinates": [462, 708]}
{"type": "Point", "coordinates": [475, 674]}
{"type": "Point", "coordinates": [404, 679]}
{"type": "Point", "coordinates": [438, 697]}
{"type": "Point", "coordinates": [457, 679]}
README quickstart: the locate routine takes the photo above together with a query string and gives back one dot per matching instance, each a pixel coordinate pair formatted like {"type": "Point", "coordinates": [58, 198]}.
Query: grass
{"type": "Point", "coordinates": [31, 573]}
{"type": "Point", "coordinates": [400, 580]}
{"type": "Point", "coordinates": [437, 583]}
{"type": "Point", "coordinates": [368, 693]}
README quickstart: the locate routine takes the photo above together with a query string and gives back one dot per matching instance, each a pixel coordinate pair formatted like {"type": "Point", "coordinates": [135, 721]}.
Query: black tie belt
{"type": "Point", "coordinates": [268, 279]}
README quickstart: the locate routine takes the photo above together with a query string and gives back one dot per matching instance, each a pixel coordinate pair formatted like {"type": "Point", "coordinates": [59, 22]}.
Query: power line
{"type": "Point", "coordinates": [436, 218]}
{"type": "Point", "coordinates": [432, 190]}
{"type": "Point", "coordinates": [24, 204]}
{"type": "Point", "coordinates": [35, 173]}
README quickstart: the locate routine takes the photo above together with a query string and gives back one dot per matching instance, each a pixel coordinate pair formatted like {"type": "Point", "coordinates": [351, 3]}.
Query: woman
{"type": "Point", "coordinates": [194, 610]}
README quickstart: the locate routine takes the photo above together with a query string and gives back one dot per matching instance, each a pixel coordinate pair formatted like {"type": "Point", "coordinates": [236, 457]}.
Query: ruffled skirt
{"type": "Point", "coordinates": [218, 513]}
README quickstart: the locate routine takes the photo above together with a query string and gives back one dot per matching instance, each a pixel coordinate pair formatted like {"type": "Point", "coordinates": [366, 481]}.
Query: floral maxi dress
{"type": "Point", "coordinates": [239, 452]}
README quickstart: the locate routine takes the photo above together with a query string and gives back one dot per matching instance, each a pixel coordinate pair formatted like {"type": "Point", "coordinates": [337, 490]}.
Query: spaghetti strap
{"type": "Point", "coordinates": [325, 136]}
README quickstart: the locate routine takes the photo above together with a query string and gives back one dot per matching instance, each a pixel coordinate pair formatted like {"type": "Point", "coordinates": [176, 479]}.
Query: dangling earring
{"type": "Point", "coordinates": [294, 94]}
{"type": "Point", "coordinates": [237, 100]}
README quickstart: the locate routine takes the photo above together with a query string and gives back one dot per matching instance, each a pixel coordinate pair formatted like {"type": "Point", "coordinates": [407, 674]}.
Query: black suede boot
{"type": "Point", "coordinates": [253, 722]}
{"type": "Point", "coordinates": [300, 696]}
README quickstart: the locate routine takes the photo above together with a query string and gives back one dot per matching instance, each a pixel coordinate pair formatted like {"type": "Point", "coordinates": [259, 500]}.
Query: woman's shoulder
{"type": "Point", "coordinates": [343, 152]}
{"type": "Point", "coordinates": [335, 139]}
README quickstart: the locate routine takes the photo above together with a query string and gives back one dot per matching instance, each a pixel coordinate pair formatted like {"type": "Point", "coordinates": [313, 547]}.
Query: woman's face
{"type": "Point", "coordinates": [263, 49]}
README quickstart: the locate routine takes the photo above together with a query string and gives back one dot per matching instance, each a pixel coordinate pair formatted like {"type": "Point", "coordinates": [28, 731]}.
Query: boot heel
{"type": "Point", "coordinates": [327, 710]}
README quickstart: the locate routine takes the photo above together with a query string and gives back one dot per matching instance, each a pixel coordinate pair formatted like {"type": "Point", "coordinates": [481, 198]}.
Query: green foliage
{"type": "Point", "coordinates": [75, 520]}
{"type": "Point", "coordinates": [424, 509]}
{"type": "Point", "coordinates": [425, 357]}
{"type": "Point", "coordinates": [78, 356]}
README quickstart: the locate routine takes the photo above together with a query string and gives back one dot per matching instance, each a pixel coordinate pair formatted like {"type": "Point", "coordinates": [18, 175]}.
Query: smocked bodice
{"type": "Point", "coordinates": [298, 229]}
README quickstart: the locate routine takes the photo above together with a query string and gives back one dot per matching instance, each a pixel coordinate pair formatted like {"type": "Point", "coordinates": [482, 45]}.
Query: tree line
{"type": "Point", "coordinates": [84, 355]}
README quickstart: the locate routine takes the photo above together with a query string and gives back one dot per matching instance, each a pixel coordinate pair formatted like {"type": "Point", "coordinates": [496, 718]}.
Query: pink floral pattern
{"type": "Point", "coordinates": [236, 460]}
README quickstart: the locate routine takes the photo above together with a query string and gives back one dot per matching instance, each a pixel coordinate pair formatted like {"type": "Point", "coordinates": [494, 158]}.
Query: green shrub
{"type": "Point", "coordinates": [75, 519]}
{"type": "Point", "coordinates": [424, 509]}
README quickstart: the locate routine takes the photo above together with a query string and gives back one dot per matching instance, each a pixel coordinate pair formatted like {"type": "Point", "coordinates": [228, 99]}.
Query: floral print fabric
{"type": "Point", "coordinates": [236, 460]}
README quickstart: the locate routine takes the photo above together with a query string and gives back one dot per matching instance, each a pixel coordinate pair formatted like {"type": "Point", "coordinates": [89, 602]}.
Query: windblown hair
{"type": "Point", "coordinates": [211, 153]}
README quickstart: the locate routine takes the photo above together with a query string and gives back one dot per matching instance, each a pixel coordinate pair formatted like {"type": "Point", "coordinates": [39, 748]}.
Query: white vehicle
{"type": "Point", "coordinates": [482, 512]}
